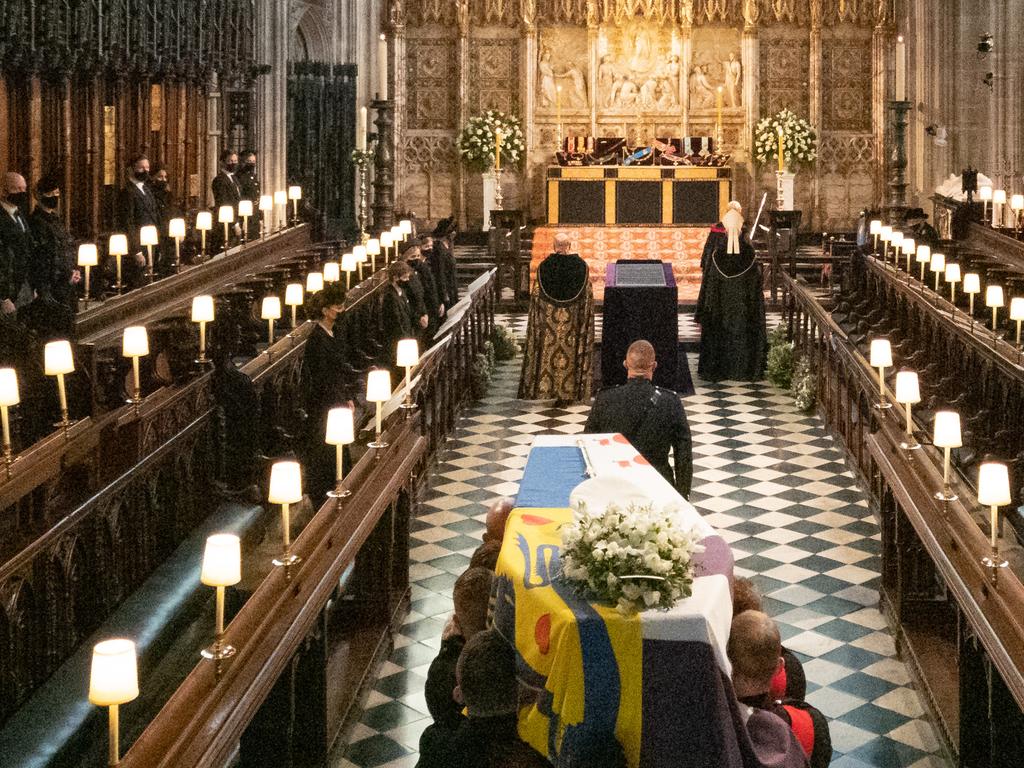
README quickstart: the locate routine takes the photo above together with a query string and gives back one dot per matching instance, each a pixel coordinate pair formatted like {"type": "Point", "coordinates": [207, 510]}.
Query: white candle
{"type": "Point", "coordinates": [361, 130]}
{"type": "Point", "coordinates": [901, 69]}
{"type": "Point", "coordinates": [382, 68]}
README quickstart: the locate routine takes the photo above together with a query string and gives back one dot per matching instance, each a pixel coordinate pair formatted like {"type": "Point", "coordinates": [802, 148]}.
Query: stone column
{"type": "Point", "coordinates": [396, 22]}
{"type": "Point", "coordinates": [686, 37]}
{"type": "Point", "coordinates": [529, 101]}
{"type": "Point", "coordinates": [272, 93]}
{"type": "Point", "coordinates": [213, 132]}
{"type": "Point", "coordinates": [593, 34]}
{"type": "Point", "coordinates": [462, 12]}
{"type": "Point", "coordinates": [751, 59]}
{"type": "Point", "coordinates": [879, 105]}
{"type": "Point", "coordinates": [815, 106]}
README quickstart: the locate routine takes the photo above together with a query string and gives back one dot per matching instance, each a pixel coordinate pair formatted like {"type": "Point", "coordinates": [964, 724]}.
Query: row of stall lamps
{"type": "Point", "coordinates": [948, 271]}
{"type": "Point", "coordinates": [149, 234]}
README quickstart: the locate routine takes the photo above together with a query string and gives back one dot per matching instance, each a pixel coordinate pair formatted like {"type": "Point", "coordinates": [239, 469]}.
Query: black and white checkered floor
{"type": "Point", "coordinates": [769, 478]}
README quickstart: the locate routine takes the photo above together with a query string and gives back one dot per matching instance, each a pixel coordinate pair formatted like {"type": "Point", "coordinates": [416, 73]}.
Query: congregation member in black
{"type": "Point", "coordinates": [137, 208]}
{"type": "Point", "coordinates": [326, 381]}
{"type": "Point", "coordinates": [416, 291]}
{"type": "Point", "coordinates": [730, 309]}
{"type": "Point", "coordinates": [396, 312]}
{"type": "Point", "coordinates": [431, 299]}
{"type": "Point", "coordinates": [51, 271]}
{"type": "Point", "coordinates": [16, 243]}
{"type": "Point", "coordinates": [249, 189]}
{"type": "Point", "coordinates": [440, 253]}
{"type": "Point", "coordinates": [559, 353]}
{"type": "Point", "coordinates": [651, 418]}
{"type": "Point", "coordinates": [226, 191]}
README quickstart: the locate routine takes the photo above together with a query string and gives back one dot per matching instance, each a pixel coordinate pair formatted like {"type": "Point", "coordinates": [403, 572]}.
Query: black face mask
{"type": "Point", "coordinates": [160, 185]}
{"type": "Point", "coordinates": [230, 167]}
{"type": "Point", "coordinates": [50, 202]}
{"type": "Point", "coordinates": [19, 199]}
{"type": "Point", "coordinates": [248, 167]}
{"type": "Point", "coordinates": [141, 175]}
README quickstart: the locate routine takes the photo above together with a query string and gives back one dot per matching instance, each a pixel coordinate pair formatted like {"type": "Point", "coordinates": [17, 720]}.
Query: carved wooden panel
{"type": "Point", "coordinates": [785, 70]}
{"type": "Point", "coordinates": [432, 78]}
{"type": "Point", "coordinates": [494, 73]}
{"type": "Point", "coordinates": [846, 82]}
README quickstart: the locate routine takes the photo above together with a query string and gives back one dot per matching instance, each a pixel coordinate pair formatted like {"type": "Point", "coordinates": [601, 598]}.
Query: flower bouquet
{"type": "Point", "coordinates": [633, 558]}
{"type": "Point", "coordinates": [476, 143]}
{"type": "Point", "coordinates": [800, 143]}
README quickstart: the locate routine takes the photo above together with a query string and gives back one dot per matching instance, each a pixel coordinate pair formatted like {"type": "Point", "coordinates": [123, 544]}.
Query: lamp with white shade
{"type": "Point", "coordinates": [361, 254]}
{"type": "Point", "coordinates": [994, 492]}
{"type": "Point", "coordinates": [938, 267]}
{"type": "Point", "coordinates": [946, 435]}
{"type": "Point", "coordinates": [340, 432]}
{"type": "Point", "coordinates": [314, 282]}
{"type": "Point", "coordinates": [998, 201]}
{"type": "Point", "coordinates": [58, 361]}
{"type": "Point", "coordinates": [266, 213]}
{"type": "Point", "coordinates": [118, 248]}
{"type": "Point", "coordinates": [9, 396]}
{"type": "Point", "coordinates": [373, 246]}
{"type": "Point", "coordinates": [148, 237]}
{"type": "Point", "coordinates": [1017, 206]}
{"type": "Point", "coordinates": [222, 567]}
{"type": "Point", "coordinates": [908, 392]}
{"type": "Point", "coordinates": [994, 300]}
{"type": "Point", "coordinates": [135, 344]}
{"type": "Point", "coordinates": [295, 194]}
{"type": "Point", "coordinates": [281, 200]}
{"type": "Point", "coordinates": [397, 237]}
{"type": "Point", "coordinates": [1017, 314]}
{"type": "Point", "coordinates": [270, 311]}
{"type": "Point", "coordinates": [985, 195]}
{"type": "Point", "coordinates": [113, 681]}
{"type": "Point", "coordinates": [245, 211]}
{"type": "Point", "coordinates": [226, 216]}
{"type": "Point", "coordinates": [924, 258]}
{"type": "Point", "coordinates": [875, 229]}
{"type": "Point", "coordinates": [909, 249]}
{"type": "Point", "coordinates": [407, 355]}
{"type": "Point", "coordinates": [972, 287]}
{"type": "Point", "coordinates": [953, 277]}
{"type": "Point", "coordinates": [204, 223]}
{"type": "Point", "coordinates": [293, 298]}
{"type": "Point", "coordinates": [896, 241]}
{"type": "Point", "coordinates": [348, 266]}
{"type": "Point", "coordinates": [405, 225]}
{"type": "Point", "coordinates": [286, 489]}
{"type": "Point", "coordinates": [378, 390]}
{"type": "Point", "coordinates": [881, 358]}
{"type": "Point", "coordinates": [885, 235]}
{"type": "Point", "coordinates": [88, 257]}
{"type": "Point", "coordinates": [332, 272]}
{"type": "Point", "coordinates": [202, 313]}
{"type": "Point", "coordinates": [387, 240]}
{"type": "Point", "coordinates": [176, 231]}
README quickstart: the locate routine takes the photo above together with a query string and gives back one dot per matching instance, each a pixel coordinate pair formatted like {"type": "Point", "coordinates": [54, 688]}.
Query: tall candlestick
{"type": "Point", "coordinates": [497, 150]}
{"type": "Point", "coordinates": [901, 69]}
{"type": "Point", "coordinates": [558, 114]}
{"type": "Point", "coordinates": [361, 130]}
{"type": "Point", "coordinates": [718, 110]}
{"type": "Point", "coordinates": [782, 151]}
{"type": "Point", "coordinates": [382, 68]}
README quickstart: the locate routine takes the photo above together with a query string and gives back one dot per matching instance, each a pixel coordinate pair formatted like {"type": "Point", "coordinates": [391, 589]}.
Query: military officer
{"type": "Point", "coordinates": [651, 418]}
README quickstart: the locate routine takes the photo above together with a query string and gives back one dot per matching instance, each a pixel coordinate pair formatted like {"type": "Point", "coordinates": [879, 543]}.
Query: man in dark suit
{"type": "Point", "coordinates": [16, 244]}
{"type": "Point", "coordinates": [651, 418]}
{"type": "Point", "coordinates": [138, 207]}
{"type": "Point", "coordinates": [431, 301]}
{"type": "Point", "coordinates": [51, 270]}
{"type": "Point", "coordinates": [226, 191]}
{"type": "Point", "coordinates": [249, 189]}
{"type": "Point", "coordinates": [442, 260]}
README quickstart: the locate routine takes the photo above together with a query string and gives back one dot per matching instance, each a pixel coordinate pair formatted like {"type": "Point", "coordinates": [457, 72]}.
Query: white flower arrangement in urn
{"type": "Point", "coordinates": [634, 558]}
{"type": "Point", "coordinates": [794, 134]}
{"type": "Point", "coordinates": [478, 141]}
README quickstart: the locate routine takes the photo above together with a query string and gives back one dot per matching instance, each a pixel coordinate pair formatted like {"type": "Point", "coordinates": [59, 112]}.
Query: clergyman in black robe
{"type": "Point", "coordinates": [730, 310]}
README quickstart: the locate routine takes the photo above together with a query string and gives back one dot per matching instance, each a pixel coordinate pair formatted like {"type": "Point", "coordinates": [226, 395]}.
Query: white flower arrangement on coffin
{"type": "Point", "coordinates": [475, 142]}
{"type": "Point", "coordinates": [633, 558]}
{"type": "Point", "coordinates": [799, 140]}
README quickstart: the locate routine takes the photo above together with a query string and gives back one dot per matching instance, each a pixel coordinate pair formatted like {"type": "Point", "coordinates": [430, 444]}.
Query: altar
{"type": "Point", "coordinates": [658, 680]}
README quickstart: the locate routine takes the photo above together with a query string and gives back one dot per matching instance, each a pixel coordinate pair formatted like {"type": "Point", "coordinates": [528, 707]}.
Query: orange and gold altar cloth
{"type": "Point", "coordinates": [598, 246]}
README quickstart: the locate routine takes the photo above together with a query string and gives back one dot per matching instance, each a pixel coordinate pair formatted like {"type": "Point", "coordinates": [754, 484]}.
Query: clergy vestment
{"type": "Point", "coordinates": [730, 310]}
{"type": "Point", "coordinates": [558, 360]}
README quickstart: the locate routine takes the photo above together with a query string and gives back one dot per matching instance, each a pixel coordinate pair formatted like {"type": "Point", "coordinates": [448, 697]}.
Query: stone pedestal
{"type": "Point", "coordinates": [490, 204]}
{"type": "Point", "coordinates": [784, 190]}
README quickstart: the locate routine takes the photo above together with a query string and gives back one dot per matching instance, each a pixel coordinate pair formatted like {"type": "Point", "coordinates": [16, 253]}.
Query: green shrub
{"type": "Point", "coordinates": [781, 358]}
{"type": "Point", "coordinates": [505, 345]}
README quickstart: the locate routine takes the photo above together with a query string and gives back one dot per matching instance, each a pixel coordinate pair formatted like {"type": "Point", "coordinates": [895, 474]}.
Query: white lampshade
{"type": "Point", "coordinates": [360, 253]}
{"type": "Point", "coordinates": [994, 296]}
{"type": "Point", "coordinates": [285, 483]}
{"type": "Point", "coordinates": [266, 203]}
{"type": "Point", "coordinates": [294, 193]}
{"type": "Point", "coordinates": [924, 254]}
{"type": "Point", "coordinates": [1017, 203]}
{"type": "Point", "coordinates": [332, 272]}
{"type": "Point", "coordinates": [222, 560]}
{"type": "Point", "coordinates": [396, 234]}
{"type": "Point", "coordinates": [348, 262]}
{"type": "Point", "coordinates": [881, 353]}
{"type": "Point", "coordinates": [176, 229]}
{"type": "Point", "coordinates": [907, 388]}
{"type": "Point", "coordinates": [378, 386]}
{"type": "Point", "coordinates": [202, 309]}
{"type": "Point", "coordinates": [1017, 308]}
{"type": "Point", "coordinates": [118, 245]}
{"type": "Point", "coordinates": [314, 282]}
{"type": "Point", "coordinates": [373, 246]}
{"type": "Point", "coordinates": [148, 235]}
{"type": "Point", "coordinates": [135, 342]}
{"type": "Point", "coordinates": [386, 240]}
{"type": "Point", "coordinates": [293, 295]}
{"type": "Point", "coordinates": [280, 197]}
{"type": "Point", "coordinates": [340, 427]}
{"type": "Point", "coordinates": [408, 353]}
{"type": "Point", "coordinates": [114, 676]}
{"type": "Point", "coordinates": [972, 283]}
{"type": "Point", "coordinates": [9, 387]}
{"type": "Point", "coordinates": [406, 226]}
{"type": "Point", "coordinates": [952, 273]}
{"type": "Point", "coordinates": [938, 262]}
{"type": "Point", "coordinates": [245, 207]}
{"type": "Point", "coordinates": [875, 227]}
{"type": "Point", "coordinates": [985, 192]}
{"type": "Point", "coordinates": [204, 221]}
{"type": "Point", "coordinates": [999, 197]}
{"type": "Point", "coordinates": [909, 246]}
{"type": "Point", "coordinates": [947, 430]}
{"type": "Point", "coordinates": [896, 239]}
{"type": "Point", "coordinates": [225, 214]}
{"type": "Point", "coordinates": [993, 484]}
{"type": "Point", "coordinates": [271, 309]}
{"type": "Point", "coordinates": [886, 233]}
{"type": "Point", "coordinates": [57, 358]}
{"type": "Point", "coordinates": [87, 255]}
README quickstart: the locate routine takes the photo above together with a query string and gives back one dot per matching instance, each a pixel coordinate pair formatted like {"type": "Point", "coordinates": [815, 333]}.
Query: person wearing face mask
{"type": "Point", "coordinates": [396, 312]}
{"type": "Point", "coordinates": [226, 191]}
{"type": "Point", "coordinates": [159, 183]}
{"type": "Point", "coordinates": [51, 269]}
{"type": "Point", "coordinates": [138, 207]}
{"type": "Point", "coordinates": [16, 241]}
{"type": "Point", "coordinates": [249, 189]}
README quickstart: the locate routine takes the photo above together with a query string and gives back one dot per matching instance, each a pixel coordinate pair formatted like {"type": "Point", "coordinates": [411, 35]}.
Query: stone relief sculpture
{"type": "Point", "coordinates": [639, 67]}
{"type": "Point", "coordinates": [562, 71]}
{"type": "Point", "coordinates": [546, 74]}
{"type": "Point", "coordinates": [716, 65]}
{"type": "Point", "coordinates": [733, 79]}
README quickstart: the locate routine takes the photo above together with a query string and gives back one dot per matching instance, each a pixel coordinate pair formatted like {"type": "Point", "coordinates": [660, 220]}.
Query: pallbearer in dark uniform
{"type": "Point", "coordinates": [559, 355]}
{"type": "Point", "coordinates": [730, 310]}
{"type": "Point", "coordinates": [651, 418]}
